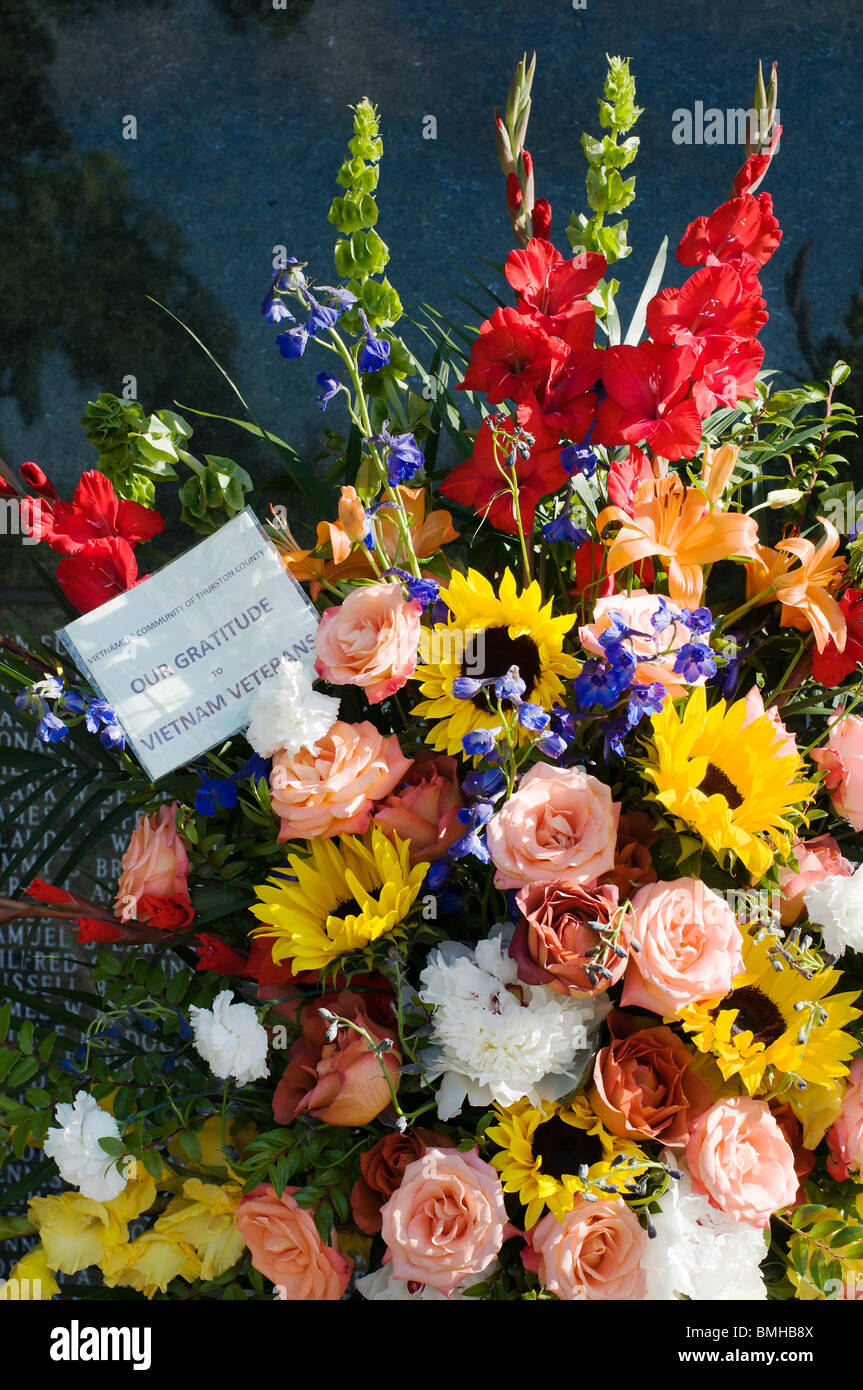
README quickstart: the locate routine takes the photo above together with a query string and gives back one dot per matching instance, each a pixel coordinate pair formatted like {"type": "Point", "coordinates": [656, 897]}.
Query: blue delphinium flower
{"type": "Point", "coordinates": [613, 736]}
{"type": "Point", "coordinates": [578, 458]}
{"type": "Point", "coordinates": [71, 703]}
{"type": "Point", "coordinates": [694, 660]}
{"type": "Point", "coordinates": [112, 736]}
{"type": "Point", "coordinates": [423, 591]}
{"type": "Point", "coordinates": [552, 745]}
{"type": "Point", "coordinates": [563, 528]}
{"type": "Point", "coordinates": [29, 702]}
{"type": "Point", "coordinates": [663, 617]}
{"type": "Point", "coordinates": [467, 688]}
{"type": "Point", "coordinates": [479, 741]}
{"type": "Point", "coordinates": [510, 686]}
{"type": "Point", "coordinates": [598, 684]}
{"type": "Point", "coordinates": [321, 317]}
{"type": "Point", "coordinates": [51, 729]}
{"type": "Point", "coordinates": [276, 310]}
{"type": "Point", "coordinates": [698, 620]}
{"type": "Point", "coordinates": [533, 717]}
{"type": "Point", "coordinates": [644, 699]}
{"type": "Point", "coordinates": [486, 785]}
{"type": "Point", "coordinates": [330, 386]}
{"type": "Point", "coordinates": [292, 343]}
{"type": "Point", "coordinates": [403, 457]}
{"type": "Point", "coordinates": [375, 352]}
{"type": "Point", "coordinates": [215, 792]}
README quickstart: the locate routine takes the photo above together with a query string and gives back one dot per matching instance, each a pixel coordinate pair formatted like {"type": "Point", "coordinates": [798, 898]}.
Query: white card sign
{"type": "Point", "coordinates": [180, 656]}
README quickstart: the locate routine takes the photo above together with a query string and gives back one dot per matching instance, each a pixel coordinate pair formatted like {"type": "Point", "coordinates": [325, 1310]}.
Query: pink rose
{"type": "Point", "coordinates": [845, 1136]}
{"type": "Point", "coordinates": [842, 759]}
{"type": "Point", "coordinates": [424, 809]}
{"type": "Point", "coordinates": [370, 640]}
{"type": "Point", "coordinates": [637, 609]}
{"type": "Point", "coordinates": [331, 789]}
{"type": "Point", "coordinates": [740, 1159]}
{"type": "Point", "coordinates": [595, 1252]}
{"type": "Point", "coordinates": [786, 743]}
{"type": "Point", "coordinates": [155, 864]}
{"type": "Point", "coordinates": [559, 827]}
{"type": "Point", "coordinates": [555, 942]}
{"type": "Point", "coordinates": [284, 1244]}
{"type": "Point", "coordinates": [690, 947]}
{"type": "Point", "coordinates": [817, 859]}
{"type": "Point", "coordinates": [446, 1220]}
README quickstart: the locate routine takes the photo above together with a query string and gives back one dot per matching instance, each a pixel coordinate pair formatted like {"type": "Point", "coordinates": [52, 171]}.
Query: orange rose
{"type": "Point", "coordinates": [643, 1085]}
{"type": "Point", "coordinates": [338, 1080]}
{"type": "Point", "coordinates": [555, 942]}
{"type": "Point", "coordinates": [424, 809]}
{"type": "Point", "coordinates": [283, 1241]}
{"type": "Point", "coordinates": [332, 788]}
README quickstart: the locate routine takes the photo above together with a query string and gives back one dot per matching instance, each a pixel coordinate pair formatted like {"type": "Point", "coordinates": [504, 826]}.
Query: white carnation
{"type": "Point", "coordinates": [75, 1148]}
{"type": "Point", "coordinates": [287, 713]}
{"type": "Point", "coordinates": [495, 1038]}
{"type": "Point", "coordinates": [836, 906]}
{"type": "Point", "coordinates": [381, 1287]}
{"type": "Point", "coordinates": [231, 1040]}
{"type": "Point", "coordinates": [699, 1252]}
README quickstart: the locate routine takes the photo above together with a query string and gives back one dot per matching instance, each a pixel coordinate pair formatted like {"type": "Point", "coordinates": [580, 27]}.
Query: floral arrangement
{"type": "Point", "coordinates": [515, 951]}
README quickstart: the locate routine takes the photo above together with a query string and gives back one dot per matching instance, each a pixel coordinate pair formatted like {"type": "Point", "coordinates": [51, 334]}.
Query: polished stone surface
{"type": "Point", "coordinates": [241, 124]}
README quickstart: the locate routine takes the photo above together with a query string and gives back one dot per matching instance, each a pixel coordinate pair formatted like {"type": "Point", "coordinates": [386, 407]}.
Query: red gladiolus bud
{"type": "Point", "coordinates": [528, 162]}
{"type": "Point", "coordinates": [38, 481]}
{"type": "Point", "coordinates": [542, 218]}
{"type": "Point", "coordinates": [513, 192]}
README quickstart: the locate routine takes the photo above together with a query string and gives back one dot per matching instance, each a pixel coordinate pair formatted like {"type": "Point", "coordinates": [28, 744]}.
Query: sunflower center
{"type": "Point", "coordinates": [494, 652]}
{"type": "Point", "coordinates": [349, 908]}
{"type": "Point", "coordinates": [562, 1149]}
{"type": "Point", "coordinates": [716, 783]}
{"type": "Point", "coordinates": [756, 1014]}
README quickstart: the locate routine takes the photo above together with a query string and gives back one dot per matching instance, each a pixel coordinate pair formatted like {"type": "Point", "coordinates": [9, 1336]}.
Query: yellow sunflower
{"type": "Point", "coordinates": [737, 787]}
{"type": "Point", "coordinates": [776, 1023]}
{"type": "Point", "coordinates": [485, 635]}
{"type": "Point", "coordinates": [551, 1155]}
{"type": "Point", "coordinates": [344, 895]}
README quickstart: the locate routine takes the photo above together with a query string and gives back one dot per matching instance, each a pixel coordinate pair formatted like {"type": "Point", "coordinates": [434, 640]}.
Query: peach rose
{"type": "Point", "coordinates": [338, 1080]}
{"type": "Point", "coordinates": [331, 789]}
{"type": "Point", "coordinates": [845, 1136]}
{"type": "Point", "coordinates": [370, 640]}
{"type": "Point", "coordinates": [842, 759]}
{"type": "Point", "coordinates": [595, 1252]}
{"type": "Point", "coordinates": [446, 1220]}
{"type": "Point", "coordinates": [690, 947]}
{"type": "Point", "coordinates": [155, 864]}
{"type": "Point", "coordinates": [817, 859]}
{"type": "Point", "coordinates": [424, 808]}
{"type": "Point", "coordinates": [740, 1159]}
{"type": "Point", "coordinates": [285, 1246]}
{"type": "Point", "coordinates": [637, 609]}
{"type": "Point", "coordinates": [786, 743]}
{"type": "Point", "coordinates": [560, 826]}
{"type": "Point", "coordinates": [644, 1086]}
{"type": "Point", "coordinates": [382, 1168]}
{"type": "Point", "coordinates": [555, 941]}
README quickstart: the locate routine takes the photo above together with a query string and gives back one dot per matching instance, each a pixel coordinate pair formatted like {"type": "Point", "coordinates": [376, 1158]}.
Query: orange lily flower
{"type": "Point", "coordinates": [673, 522]}
{"type": "Point", "coordinates": [805, 590]}
{"type": "Point", "coordinates": [429, 532]}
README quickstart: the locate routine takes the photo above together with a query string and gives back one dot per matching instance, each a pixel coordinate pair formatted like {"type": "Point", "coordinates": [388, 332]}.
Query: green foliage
{"type": "Point", "coordinates": [825, 1243]}
{"type": "Point", "coordinates": [360, 254]}
{"type": "Point", "coordinates": [215, 495]}
{"type": "Point", "coordinates": [135, 450]}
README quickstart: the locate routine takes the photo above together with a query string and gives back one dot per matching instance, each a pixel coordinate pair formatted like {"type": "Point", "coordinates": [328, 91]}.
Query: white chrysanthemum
{"type": "Point", "coordinates": [381, 1287]}
{"type": "Point", "coordinates": [836, 906]}
{"type": "Point", "coordinates": [495, 1038]}
{"type": "Point", "coordinates": [287, 713]}
{"type": "Point", "coordinates": [231, 1040]}
{"type": "Point", "coordinates": [699, 1252]}
{"type": "Point", "coordinates": [79, 1156]}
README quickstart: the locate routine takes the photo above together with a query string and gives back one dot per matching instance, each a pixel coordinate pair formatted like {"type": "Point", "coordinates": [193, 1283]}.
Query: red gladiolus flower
{"type": "Point", "coordinates": [713, 303]}
{"type": "Point", "coordinates": [216, 955]}
{"type": "Point", "coordinates": [648, 399]}
{"type": "Point", "coordinates": [624, 475]}
{"type": "Point", "coordinates": [95, 512]}
{"type": "Point", "coordinates": [739, 231]}
{"type": "Point", "coordinates": [725, 373]}
{"type": "Point", "coordinates": [831, 666]}
{"type": "Point", "coordinates": [512, 357]}
{"type": "Point", "coordinates": [99, 571]}
{"type": "Point", "coordinates": [170, 913]}
{"type": "Point", "coordinates": [546, 282]}
{"type": "Point", "coordinates": [478, 482]}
